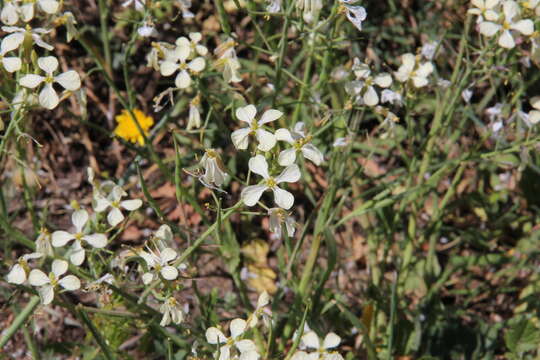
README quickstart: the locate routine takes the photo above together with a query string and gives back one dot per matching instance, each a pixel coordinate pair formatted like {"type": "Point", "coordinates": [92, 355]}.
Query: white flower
{"type": "Point", "coordinates": [184, 7]}
{"type": "Point", "coordinates": [274, 6]}
{"type": "Point", "coordinates": [392, 97]}
{"type": "Point", "coordinates": [115, 202]}
{"type": "Point", "coordinates": [283, 198]}
{"type": "Point", "coordinates": [428, 50]}
{"type": "Point", "coordinates": [262, 301]}
{"type": "Point", "coordinates": [214, 170]}
{"type": "Point", "coordinates": [355, 14]}
{"type": "Point", "coordinates": [158, 262]}
{"type": "Point", "coordinates": [511, 13]}
{"type": "Point", "coordinates": [172, 312]}
{"type": "Point", "coordinates": [47, 284]}
{"type": "Point", "coordinates": [197, 48]}
{"type": "Point", "coordinates": [139, 4]}
{"type": "Point", "coordinates": [60, 238]}
{"type": "Point", "coordinates": [17, 36]}
{"type": "Point", "coordinates": [177, 61]}
{"type": "Point", "coordinates": [43, 243]}
{"type": "Point", "coordinates": [300, 144]}
{"type": "Point", "coordinates": [227, 61]}
{"type": "Point", "coordinates": [247, 348]}
{"type": "Point", "coordinates": [467, 95]}
{"type": "Point", "coordinates": [19, 271]}
{"type": "Point", "coordinates": [310, 9]}
{"type": "Point", "coordinates": [485, 9]}
{"type": "Point", "coordinates": [266, 139]}
{"type": "Point", "coordinates": [322, 351]}
{"type": "Point", "coordinates": [194, 118]}
{"type": "Point", "coordinates": [48, 6]}
{"type": "Point", "coordinates": [363, 88]}
{"type": "Point", "coordinates": [412, 70]}
{"type": "Point", "coordinates": [48, 98]}
{"type": "Point", "coordinates": [532, 117]}
{"type": "Point", "coordinates": [279, 216]}
{"type": "Point", "coordinates": [159, 50]}
{"type": "Point", "coordinates": [147, 30]}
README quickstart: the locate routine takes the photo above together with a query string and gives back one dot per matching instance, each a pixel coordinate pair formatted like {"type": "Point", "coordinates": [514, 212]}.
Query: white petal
{"type": "Point", "coordinates": [61, 238]}
{"type": "Point", "coordinates": [79, 218]}
{"type": "Point", "coordinates": [526, 27]}
{"type": "Point", "coordinates": [287, 157]}
{"type": "Point", "coordinates": [197, 64]}
{"type": "Point", "coordinates": [77, 255]}
{"type": "Point", "coordinates": [240, 138]}
{"type": "Point", "coordinates": [41, 43]}
{"type": "Point", "coordinates": [101, 203]}
{"type": "Point", "coordinates": [246, 113]}
{"type": "Point", "coordinates": [258, 165]}
{"type": "Point", "coordinates": [419, 81]}
{"type": "Point", "coordinates": [215, 336]}
{"type": "Point", "coordinates": [534, 117]}
{"type": "Point", "coordinates": [409, 61]}
{"type": "Point", "coordinates": [370, 96]}
{"type": "Point", "coordinates": [269, 116]}
{"type": "Point", "coordinates": [263, 300]}
{"type": "Point", "coordinates": [48, 6]}
{"type": "Point", "coordinates": [46, 293]}
{"type": "Point", "coordinates": [331, 341]}
{"type": "Point", "coordinates": [167, 255]}
{"type": "Point", "coordinates": [510, 10]}
{"type": "Point", "coordinates": [59, 267]}
{"type": "Point", "coordinates": [506, 40]}
{"type": "Point", "coordinates": [195, 36]}
{"type": "Point", "coordinates": [27, 11]}
{"type": "Point", "coordinates": [290, 225]}
{"type": "Point", "coordinates": [266, 139]}
{"type": "Point", "coordinates": [311, 340]}
{"type": "Point", "coordinates": [283, 198]}
{"type": "Point", "coordinates": [169, 272]}
{"type": "Point", "coordinates": [70, 282]}
{"type": "Point", "coordinates": [31, 80]}
{"type": "Point", "coordinates": [290, 174]}
{"type": "Point", "coordinates": [424, 70]}
{"type": "Point", "coordinates": [246, 345]}
{"type": "Point", "coordinates": [284, 135]}
{"type": "Point", "coordinates": [17, 275]}
{"type": "Point", "coordinates": [131, 205]}
{"type": "Point", "coordinates": [251, 194]}
{"type": "Point", "coordinates": [312, 153]}
{"type": "Point", "coordinates": [183, 48]}
{"type": "Point", "coordinates": [38, 278]}
{"type": "Point", "coordinates": [11, 42]}
{"type": "Point", "coordinates": [49, 64]}
{"type": "Point", "coordinates": [96, 240]}
{"type": "Point", "coordinates": [9, 14]}
{"type": "Point", "coordinates": [383, 80]}
{"type": "Point", "coordinates": [12, 64]}
{"type": "Point", "coordinates": [237, 328]}
{"type": "Point", "coordinates": [183, 80]}
{"type": "Point", "coordinates": [115, 216]}
{"type": "Point", "coordinates": [167, 68]}
{"type": "Point", "coordinates": [489, 29]}
{"type": "Point", "coordinates": [70, 80]}
{"type": "Point", "coordinates": [48, 97]}
{"type": "Point", "coordinates": [147, 278]}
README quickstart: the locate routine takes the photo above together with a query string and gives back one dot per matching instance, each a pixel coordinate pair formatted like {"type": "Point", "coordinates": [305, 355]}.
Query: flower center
{"type": "Point", "coordinates": [183, 66]}
{"type": "Point", "coordinates": [78, 236]}
{"type": "Point", "coordinates": [211, 153]}
{"type": "Point", "coordinates": [254, 125]}
{"type": "Point", "coordinates": [271, 182]}
{"type": "Point", "coordinates": [49, 80]}
{"type": "Point", "coordinates": [53, 279]}
{"type": "Point", "coordinates": [115, 203]}
{"type": "Point", "coordinates": [506, 25]}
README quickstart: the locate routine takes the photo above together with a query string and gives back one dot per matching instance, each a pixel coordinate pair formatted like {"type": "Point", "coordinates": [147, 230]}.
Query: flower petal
{"type": "Point", "coordinates": [266, 139]}
{"type": "Point", "coordinates": [46, 293]}
{"type": "Point", "coordinates": [215, 336]}
{"type": "Point", "coordinates": [70, 80]}
{"type": "Point", "coordinates": [147, 278]}
{"type": "Point", "coordinates": [246, 113]}
{"type": "Point", "coordinates": [269, 116]}
{"type": "Point", "coordinates": [131, 205]}
{"type": "Point", "coordinates": [331, 341]}
{"type": "Point", "coordinates": [61, 238]}
{"type": "Point", "coordinates": [283, 198]}
{"type": "Point", "coordinates": [287, 157]}
{"type": "Point", "coordinates": [48, 97]}
{"type": "Point", "coordinates": [167, 68]}
{"type": "Point", "coordinates": [251, 194]}
{"type": "Point", "coordinates": [17, 275]}
{"type": "Point", "coordinates": [115, 216]}
{"type": "Point", "coordinates": [31, 80]}
{"type": "Point", "coordinates": [168, 254]}
{"type": "Point", "coordinates": [507, 40]}
{"type": "Point", "coordinates": [312, 153]}
{"type": "Point", "coordinates": [38, 278]}
{"type": "Point", "coordinates": [197, 64]}
{"type": "Point", "coordinates": [258, 165]}
{"type": "Point", "coordinates": [70, 282]}
{"type": "Point", "coordinates": [79, 218]}
{"type": "Point", "coordinates": [240, 138]}
{"type": "Point", "coordinates": [49, 64]}
{"type": "Point", "coordinates": [311, 340]}
{"type": "Point", "coordinates": [237, 328]}
{"type": "Point", "coordinates": [12, 64]}
{"type": "Point", "coordinates": [183, 80]}
{"type": "Point", "coordinates": [96, 240]}
{"type": "Point", "coordinates": [370, 97]}
{"type": "Point", "coordinates": [169, 272]}
{"type": "Point", "coordinates": [78, 254]}
{"type": "Point", "coordinates": [526, 27]}
{"type": "Point", "coordinates": [284, 135]}
{"type": "Point", "coordinates": [489, 29]}
{"type": "Point", "coordinates": [290, 174]}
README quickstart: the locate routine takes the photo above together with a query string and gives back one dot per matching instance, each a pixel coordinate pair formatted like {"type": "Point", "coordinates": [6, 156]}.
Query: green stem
{"type": "Point", "coordinates": [19, 320]}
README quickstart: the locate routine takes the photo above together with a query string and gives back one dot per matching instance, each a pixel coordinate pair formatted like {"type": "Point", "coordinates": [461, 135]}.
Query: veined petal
{"type": "Point", "coordinates": [384, 80]}
{"type": "Point", "coordinates": [311, 340]}
{"type": "Point", "coordinates": [167, 68]}
{"type": "Point", "coordinates": [215, 336]}
{"type": "Point", "coordinates": [290, 174]}
{"type": "Point", "coordinates": [79, 218]}
{"type": "Point", "coordinates": [419, 81]}
{"type": "Point", "coordinates": [78, 254]}
{"type": "Point", "coordinates": [70, 80]}
{"type": "Point", "coordinates": [167, 255]}
{"type": "Point", "coordinates": [183, 48]}
{"type": "Point", "coordinates": [312, 153]}
{"type": "Point", "coordinates": [331, 341]}
{"type": "Point", "coordinates": [115, 216]}
{"type": "Point", "coordinates": [246, 345]}
{"type": "Point", "coordinates": [48, 6]}
{"type": "Point", "coordinates": [169, 272]}
{"type": "Point", "coordinates": [61, 238]}
{"type": "Point", "coordinates": [266, 139]}
{"type": "Point", "coordinates": [251, 194]}
{"type": "Point", "coordinates": [96, 240]}
{"type": "Point", "coordinates": [237, 328]}
{"type": "Point", "coordinates": [284, 135]}
{"type": "Point", "coordinates": [70, 282]}
{"type": "Point", "coordinates": [27, 12]}
{"type": "Point", "coordinates": [11, 42]}
{"type": "Point", "coordinates": [101, 203]}
{"type": "Point", "coordinates": [17, 275]}
{"type": "Point", "coordinates": [59, 267]}
{"type": "Point", "coordinates": [49, 64]}
{"type": "Point", "coordinates": [240, 138]}
{"type": "Point", "coordinates": [197, 64]}
{"type": "Point", "coordinates": [510, 10]}
{"type": "Point", "coordinates": [147, 278]}
{"type": "Point", "coordinates": [409, 61]}
{"type": "Point", "coordinates": [41, 43]}
{"type": "Point", "coordinates": [183, 80]}
{"type": "Point", "coordinates": [131, 205]}
{"type": "Point", "coordinates": [526, 27]}
{"type": "Point", "coordinates": [283, 198]}
{"type": "Point", "coordinates": [38, 278]}
{"type": "Point", "coordinates": [12, 64]}
{"type": "Point", "coordinates": [9, 14]}
{"type": "Point", "coordinates": [269, 116]}
{"type": "Point", "coordinates": [424, 70]}
{"type": "Point", "coordinates": [489, 29]}
{"type": "Point", "coordinates": [46, 293]}
{"type": "Point", "coordinates": [31, 80]}
{"type": "Point", "coordinates": [259, 166]}
{"type": "Point", "coordinates": [48, 97]}
{"type": "Point", "coordinates": [507, 40]}
{"type": "Point", "coordinates": [287, 157]}
{"type": "Point", "coordinates": [370, 96]}
{"type": "Point", "coordinates": [246, 113]}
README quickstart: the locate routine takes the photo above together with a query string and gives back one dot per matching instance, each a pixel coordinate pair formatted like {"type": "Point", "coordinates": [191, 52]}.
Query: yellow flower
{"type": "Point", "coordinates": [127, 128]}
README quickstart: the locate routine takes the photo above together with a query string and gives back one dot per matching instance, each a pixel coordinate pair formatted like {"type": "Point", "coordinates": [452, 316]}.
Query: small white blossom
{"type": "Point", "coordinates": [246, 347]}
{"type": "Point", "coordinates": [278, 216]}
{"type": "Point", "coordinates": [274, 6]}
{"type": "Point", "coordinates": [428, 50]}
{"type": "Point", "coordinates": [214, 170]}
{"type": "Point", "coordinates": [392, 97]}
{"type": "Point", "coordinates": [185, 5]}
{"type": "Point", "coordinates": [115, 203]}
{"type": "Point", "coordinates": [532, 117]}
{"type": "Point", "coordinates": [172, 312]}
{"type": "Point", "coordinates": [363, 88]}
{"type": "Point", "coordinates": [411, 69]}
{"type": "Point", "coordinates": [60, 238]}
{"type": "Point", "coordinates": [47, 284]}
{"type": "Point", "coordinates": [147, 30]}
{"type": "Point", "coordinates": [158, 263]}
{"type": "Point", "coordinates": [43, 243]}
{"type": "Point", "coordinates": [228, 61]}
{"type": "Point", "coordinates": [467, 95]}
{"type": "Point", "coordinates": [355, 14]}
{"type": "Point", "coordinates": [17, 35]}
{"type": "Point", "coordinates": [262, 302]}
{"type": "Point", "coordinates": [196, 48]}
{"type": "Point", "coordinates": [27, 9]}
{"type": "Point", "coordinates": [283, 198]}
{"type": "Point", "coordinates": [310, 9]}
{"type": "Point", "coordinates": [139, 4]}
{"type": "Point", "coordinates": [194, 117]}
{"type": "Point", "coordinates": [19, 271]}
{"type": "Point", "coordinates": [485, 9]}
{"type": "Point", "coordinates": [300, 144]}
{"type": "Point", "coordinates": [48, 98]}
{"type": "Point", "coordinates": [323, 351]}
{"type": "Point", "coordinates": [178, 62]}
{"type": "Point", "coordinates": [247, 114]}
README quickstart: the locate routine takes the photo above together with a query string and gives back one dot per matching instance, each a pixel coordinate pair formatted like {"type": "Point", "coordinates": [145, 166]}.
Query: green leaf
{"type": "Point", "coordinates": [522, 336]}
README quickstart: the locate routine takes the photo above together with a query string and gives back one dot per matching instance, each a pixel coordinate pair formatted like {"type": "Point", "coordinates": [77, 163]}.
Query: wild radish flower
{"type": "Point", "coordinates": [160, 50]}
{"type": "Point", "coordinates": [412, 70]}
{"type": "Point", "coordinates": [355, 14]}
{"type": "Point", "coordinates": [147, 30]}
{"type": "Point", "coordinates": [139, 4]}
{"type": "Point", "coordinates": [115, 203]}
{"type": "Point", "coordinates": [19, 271]}
{"type": "Point", "coordinates": [48, 6]}
{"type": "Point", "coordinates": [283, 198]}
{"type": "Point", "coordinates": [10, 63]}
{"type": "Point", "coordinates": [262, 302]}
{"type": "Point", "coordinates": [178, 62]}
{"type": "Point", "coordinates": [47, 284]}
{"type": "Point", "coordinates": [128, 130]}
{"type": "Point", "coordinates": [485, 10]}
{"type": "Point", "coordinates": [300, 144]}
{"type": "Point", "coordinates": [158, 263]}
{"type": "Point", "coordinates": [310, 9]}
{"type": "Point", "coordinates": [172, 312]}
{"type": "Point", "coordinates": [196, 48]}
{"type": "Point", "coordinates": [364, 87]}
{"type": "Point", "coordinates": [247, 348]}
{"type": "Point", "coordinates": [278, 216]}
{"type": "Point", "coordinates": [322, 351]}
{"type": "Point", "coordinates": [392, 97]}
{"type": "Point", "coordinates": [43, 243]}
{"type": "Point", "coordinates": [510, 23]}
{"type": "Point", "coordinates": [17, 36]}
{"type": "Point", "coordinates": [274, 6]}
{"type": "Point", "coordinates": [428, 50]}
{"type": "Point", "coordinates": [194, 117]}
{"type": "Point", "coordinates": [48, 98]}
{"type": "Point", "coordinates": [227, 61]}
{"type": "Point", "coordinates": [60, 238]}
{"type": "Point", "coordinates": [68, 20]}
{"type": "Point", "coordinates": [266, 139]}
{"type": "Point", "coordinates": [214, 170]}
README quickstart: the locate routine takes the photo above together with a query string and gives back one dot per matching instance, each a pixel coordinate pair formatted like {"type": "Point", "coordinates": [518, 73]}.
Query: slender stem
{"type": "Point", "coordinates": [19, 320]}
